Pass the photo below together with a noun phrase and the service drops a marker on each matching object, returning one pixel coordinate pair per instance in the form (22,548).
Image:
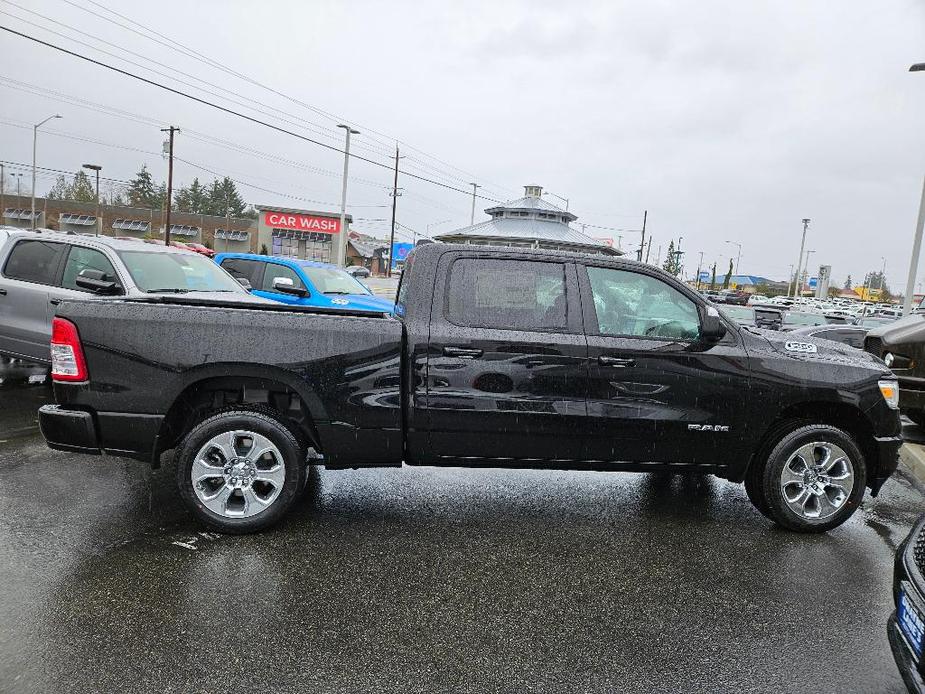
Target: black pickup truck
(493,358)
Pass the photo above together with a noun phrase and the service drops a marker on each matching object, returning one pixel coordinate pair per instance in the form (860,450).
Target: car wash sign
(301,222)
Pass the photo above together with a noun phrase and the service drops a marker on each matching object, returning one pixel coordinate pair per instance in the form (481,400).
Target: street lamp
(97,169)
(739,256)
(18,177)
(35,135)
(917,241)
(800,259)
(341,258)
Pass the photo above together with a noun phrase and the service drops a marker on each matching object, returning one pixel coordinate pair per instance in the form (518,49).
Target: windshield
(177,272)
(330,280)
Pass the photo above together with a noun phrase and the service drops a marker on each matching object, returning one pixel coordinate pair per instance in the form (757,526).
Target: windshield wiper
(337,292)
(167,290)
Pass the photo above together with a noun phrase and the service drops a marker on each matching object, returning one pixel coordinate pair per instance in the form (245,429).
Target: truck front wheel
(239,471)
(813,479)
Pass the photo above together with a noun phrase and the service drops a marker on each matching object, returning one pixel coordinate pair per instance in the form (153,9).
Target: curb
(912,457)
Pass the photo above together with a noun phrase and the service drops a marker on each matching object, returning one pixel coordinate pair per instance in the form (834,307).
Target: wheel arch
(214,387)
(840,415)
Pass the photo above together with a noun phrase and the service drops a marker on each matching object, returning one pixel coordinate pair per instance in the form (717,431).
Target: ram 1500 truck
(492,358)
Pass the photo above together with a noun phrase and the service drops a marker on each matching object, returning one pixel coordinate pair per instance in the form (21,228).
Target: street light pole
(341,258)
(99,219)
(18,177)
(805,271)
(35,137)
(917,241)
(739,256)
(799,288)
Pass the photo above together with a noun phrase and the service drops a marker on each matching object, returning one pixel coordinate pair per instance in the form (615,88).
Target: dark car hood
(801,347)
(910,329)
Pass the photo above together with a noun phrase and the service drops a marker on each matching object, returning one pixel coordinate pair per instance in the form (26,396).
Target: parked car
(906,626)
(873,321)
(40,269)
(733,296)
(201,249)
(901,345)
(358,271)
(302,282)
(713,295)
(492,358)
(795,319)
(757,299)
(851,335)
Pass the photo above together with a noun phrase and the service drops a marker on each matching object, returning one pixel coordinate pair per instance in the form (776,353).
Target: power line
(202,58)
(230,111)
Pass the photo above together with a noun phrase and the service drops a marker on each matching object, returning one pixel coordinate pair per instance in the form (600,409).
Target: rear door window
(80,259)
(34,261)
(507,294)
(250,270)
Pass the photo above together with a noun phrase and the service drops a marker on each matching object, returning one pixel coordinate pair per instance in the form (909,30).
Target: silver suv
(39,269)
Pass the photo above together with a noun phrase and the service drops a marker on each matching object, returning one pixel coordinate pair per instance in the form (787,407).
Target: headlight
(890,392)
(888,359)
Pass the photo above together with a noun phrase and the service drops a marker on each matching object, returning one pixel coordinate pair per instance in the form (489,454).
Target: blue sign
(400,251)
(813,282)
(704,276)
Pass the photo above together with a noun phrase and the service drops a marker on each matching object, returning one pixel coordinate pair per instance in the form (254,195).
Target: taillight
(67,355)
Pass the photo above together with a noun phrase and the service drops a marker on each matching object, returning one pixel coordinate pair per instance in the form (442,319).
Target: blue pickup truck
(302,282)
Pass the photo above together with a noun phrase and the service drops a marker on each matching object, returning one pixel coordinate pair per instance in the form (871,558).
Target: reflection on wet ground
(433,579)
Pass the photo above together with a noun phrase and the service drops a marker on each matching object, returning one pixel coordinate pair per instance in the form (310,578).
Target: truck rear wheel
(239,471)
(812,481)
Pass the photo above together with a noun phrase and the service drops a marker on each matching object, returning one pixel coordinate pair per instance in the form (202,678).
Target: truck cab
(302,282)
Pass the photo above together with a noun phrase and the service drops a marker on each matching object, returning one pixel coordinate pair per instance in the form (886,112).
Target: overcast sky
(725,120)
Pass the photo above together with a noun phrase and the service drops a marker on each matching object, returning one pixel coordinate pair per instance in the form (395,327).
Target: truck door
(656,393)
(505,362)
(25,316)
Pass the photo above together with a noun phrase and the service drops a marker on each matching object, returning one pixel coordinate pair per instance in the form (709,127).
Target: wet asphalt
(430,580)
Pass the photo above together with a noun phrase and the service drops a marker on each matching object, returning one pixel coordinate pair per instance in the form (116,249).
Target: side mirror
(244,282)
(287,286)
(711,326)
(95,281)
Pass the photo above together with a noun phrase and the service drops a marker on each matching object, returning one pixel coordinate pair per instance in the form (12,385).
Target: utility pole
(642,243)
(649,249)
(790,280)
(475,186)
(388,267)
(2,182)
(341,257)
(800,258)
(699,264)
(805,276)
(169,200)
(227,218)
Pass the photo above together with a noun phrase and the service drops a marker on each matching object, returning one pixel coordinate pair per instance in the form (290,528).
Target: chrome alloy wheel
(238,474)
(817,480)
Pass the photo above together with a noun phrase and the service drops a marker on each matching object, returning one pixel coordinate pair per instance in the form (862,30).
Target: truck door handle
(462,352)
(55,302)
(616,362)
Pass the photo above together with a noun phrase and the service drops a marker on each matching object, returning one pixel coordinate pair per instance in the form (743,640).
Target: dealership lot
(431,580)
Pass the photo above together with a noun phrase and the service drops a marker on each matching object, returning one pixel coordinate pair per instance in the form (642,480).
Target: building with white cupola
(528,222)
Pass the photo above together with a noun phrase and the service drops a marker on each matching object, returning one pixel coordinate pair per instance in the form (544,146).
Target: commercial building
(302,234)
(234,235)
(528,222)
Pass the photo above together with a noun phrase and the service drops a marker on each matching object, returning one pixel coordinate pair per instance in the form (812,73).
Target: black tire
(755,491)
(243,419)
(766,483)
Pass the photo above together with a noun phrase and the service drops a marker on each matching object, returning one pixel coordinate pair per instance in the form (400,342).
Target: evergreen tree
(728,276)
(82,190)
(670,259)
(60,190)
(713,279)
(142,192)
(848,283)
(223,195)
